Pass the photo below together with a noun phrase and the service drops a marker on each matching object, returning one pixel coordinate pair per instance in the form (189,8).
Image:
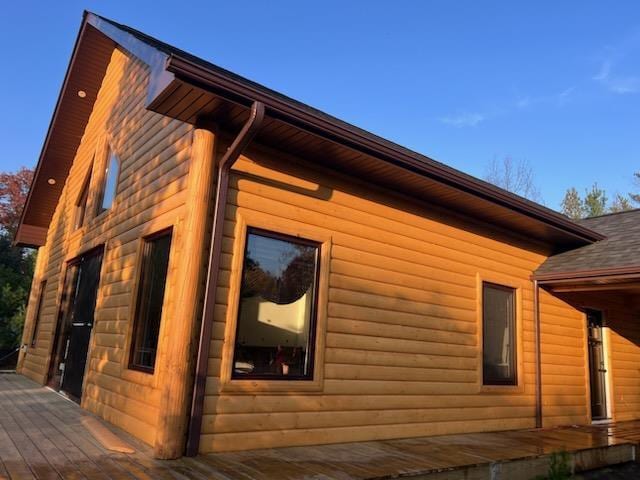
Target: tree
(514,176)
(16,264)
(595,202)
(14,188)
(636,196)
(620,204)
(572,204)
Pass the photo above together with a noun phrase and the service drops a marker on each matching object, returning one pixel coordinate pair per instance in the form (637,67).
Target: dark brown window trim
(513,380)
(83,201)
(36,319)
(313,323)
(145,240)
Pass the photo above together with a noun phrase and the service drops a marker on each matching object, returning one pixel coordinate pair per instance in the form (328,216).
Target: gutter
(610,273)
(243,92)
(242,140)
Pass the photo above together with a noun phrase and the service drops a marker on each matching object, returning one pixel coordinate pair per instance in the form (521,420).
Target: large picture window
(498,335)
(275,331)
(153,277)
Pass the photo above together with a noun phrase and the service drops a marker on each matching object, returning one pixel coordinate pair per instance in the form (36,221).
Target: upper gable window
(81,204)
(110,182)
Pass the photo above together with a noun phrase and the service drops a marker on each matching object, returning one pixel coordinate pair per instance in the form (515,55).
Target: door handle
(80,324)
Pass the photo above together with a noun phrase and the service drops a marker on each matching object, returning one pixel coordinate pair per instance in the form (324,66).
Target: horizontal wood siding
(621,313)
(154,153)
(402,338)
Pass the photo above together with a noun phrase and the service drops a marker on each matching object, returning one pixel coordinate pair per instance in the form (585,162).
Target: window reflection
(276,315)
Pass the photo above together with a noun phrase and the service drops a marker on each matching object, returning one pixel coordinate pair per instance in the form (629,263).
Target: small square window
(498,335)
(276,324)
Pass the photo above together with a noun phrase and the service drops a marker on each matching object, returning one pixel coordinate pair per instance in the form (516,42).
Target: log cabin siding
(154,154)
(402,337)
(621,312)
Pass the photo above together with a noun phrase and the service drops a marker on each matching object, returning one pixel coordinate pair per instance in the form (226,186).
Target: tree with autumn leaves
(16,264)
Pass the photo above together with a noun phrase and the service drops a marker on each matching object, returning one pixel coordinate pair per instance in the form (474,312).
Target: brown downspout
(536,329)
(243,139)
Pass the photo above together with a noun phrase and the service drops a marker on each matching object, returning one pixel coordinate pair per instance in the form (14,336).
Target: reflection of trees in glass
(297,266)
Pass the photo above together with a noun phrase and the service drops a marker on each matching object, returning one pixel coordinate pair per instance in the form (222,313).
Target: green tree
(16,264)
(572,205)
(620,204)
(595,202)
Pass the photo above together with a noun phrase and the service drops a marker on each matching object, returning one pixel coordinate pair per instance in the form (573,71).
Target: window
(36,319)
(81,204)
(153,276)
(110,183)
(498,335)
(275,332)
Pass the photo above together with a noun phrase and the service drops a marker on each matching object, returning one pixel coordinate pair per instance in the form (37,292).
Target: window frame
(38,313)
(313,319)
(104,178)
(82,202)
(138,292)
(515,355)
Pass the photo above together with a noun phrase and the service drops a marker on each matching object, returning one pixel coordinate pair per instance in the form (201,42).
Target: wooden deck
(45,436)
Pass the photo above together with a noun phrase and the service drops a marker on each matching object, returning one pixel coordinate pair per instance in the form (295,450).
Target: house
(221,267)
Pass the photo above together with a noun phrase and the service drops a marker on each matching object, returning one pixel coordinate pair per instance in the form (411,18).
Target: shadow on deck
(43,435)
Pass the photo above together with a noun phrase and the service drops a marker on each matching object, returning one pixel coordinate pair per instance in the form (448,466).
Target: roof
(188,88)
(619,253)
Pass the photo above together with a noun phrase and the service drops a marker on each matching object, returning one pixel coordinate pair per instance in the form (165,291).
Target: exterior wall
(399,327)
(621,314)
(154,154)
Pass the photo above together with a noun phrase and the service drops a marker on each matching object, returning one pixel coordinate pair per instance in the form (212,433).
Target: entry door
(597,370)
(75,323)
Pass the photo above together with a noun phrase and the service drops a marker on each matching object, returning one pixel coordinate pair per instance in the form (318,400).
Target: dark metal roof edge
(337,130)
(587,274)
(56,112)
(164,66)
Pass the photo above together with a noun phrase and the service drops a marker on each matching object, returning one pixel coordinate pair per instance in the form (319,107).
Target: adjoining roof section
(188,88)
(617,255)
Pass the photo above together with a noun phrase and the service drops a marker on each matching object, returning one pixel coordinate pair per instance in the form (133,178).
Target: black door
(597,371)
(75,323)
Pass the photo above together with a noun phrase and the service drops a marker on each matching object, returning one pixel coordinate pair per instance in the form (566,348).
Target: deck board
(42,436)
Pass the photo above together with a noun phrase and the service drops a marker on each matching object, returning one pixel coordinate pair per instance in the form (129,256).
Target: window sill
(252,386)
(502,389)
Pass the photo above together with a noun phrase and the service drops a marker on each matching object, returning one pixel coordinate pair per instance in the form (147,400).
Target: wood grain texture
(402,355)
(151,195)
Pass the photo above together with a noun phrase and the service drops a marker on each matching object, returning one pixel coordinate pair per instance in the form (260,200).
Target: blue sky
(554,83)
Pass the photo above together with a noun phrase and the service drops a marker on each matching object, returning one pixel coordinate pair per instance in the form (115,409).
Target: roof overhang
(186,88)
(618,278)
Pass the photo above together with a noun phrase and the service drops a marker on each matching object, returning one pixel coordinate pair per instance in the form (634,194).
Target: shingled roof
(618,253)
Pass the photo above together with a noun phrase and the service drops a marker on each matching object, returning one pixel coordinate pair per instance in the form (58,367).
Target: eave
(186,88)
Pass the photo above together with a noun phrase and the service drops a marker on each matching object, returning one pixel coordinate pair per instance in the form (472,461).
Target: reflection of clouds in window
(276,306)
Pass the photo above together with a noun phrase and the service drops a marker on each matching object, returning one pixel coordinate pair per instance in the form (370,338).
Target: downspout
(249,130)
(538,353)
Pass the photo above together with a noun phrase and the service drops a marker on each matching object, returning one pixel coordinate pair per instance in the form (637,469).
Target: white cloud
(464,119)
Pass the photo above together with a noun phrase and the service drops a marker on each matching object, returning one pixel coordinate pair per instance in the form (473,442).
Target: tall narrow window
(499,335)
(110,183)
(36,319)
(276,315)
(81,204)
(153,276)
